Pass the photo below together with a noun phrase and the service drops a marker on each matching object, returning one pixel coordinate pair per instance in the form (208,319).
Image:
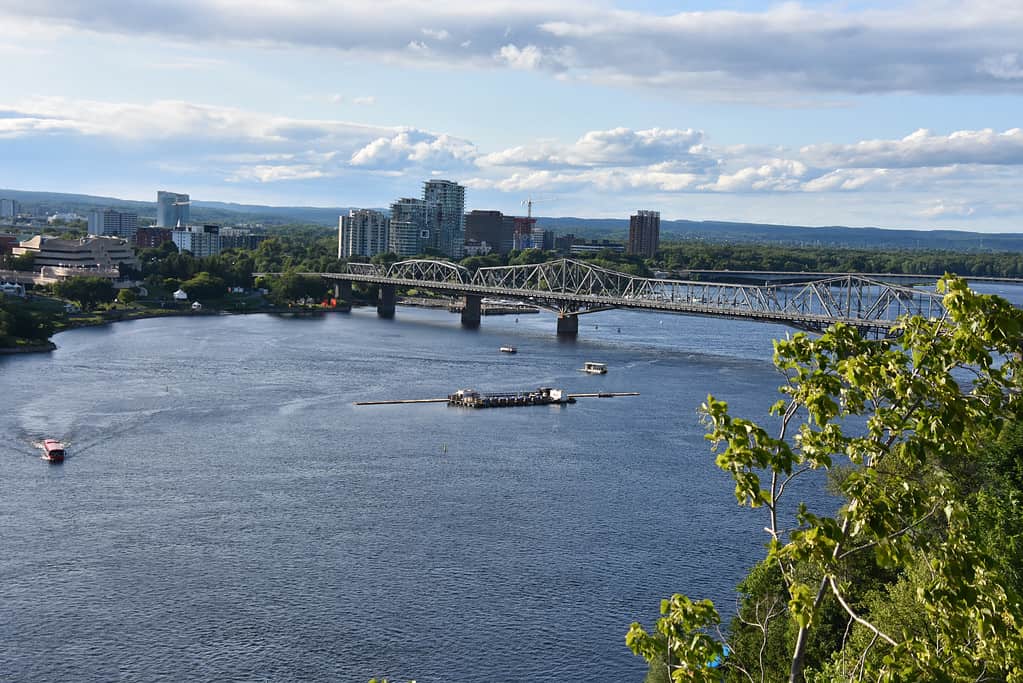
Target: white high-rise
(115,223)
(171,209)
(447,216)
(363,232)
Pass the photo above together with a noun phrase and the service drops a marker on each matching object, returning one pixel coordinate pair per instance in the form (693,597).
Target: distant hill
(41,203)
(793,235)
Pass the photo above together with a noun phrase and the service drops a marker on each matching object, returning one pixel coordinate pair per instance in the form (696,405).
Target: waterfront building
(201,240)
(9,209)
(64,258)
(446,216)
(409,232)
(363,232)
(644,233)
(113,223)
(172,209)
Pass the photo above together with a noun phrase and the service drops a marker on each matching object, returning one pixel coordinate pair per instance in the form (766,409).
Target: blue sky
(903,114)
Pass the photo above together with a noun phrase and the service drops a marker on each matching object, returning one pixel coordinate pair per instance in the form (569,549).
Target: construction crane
(529,201)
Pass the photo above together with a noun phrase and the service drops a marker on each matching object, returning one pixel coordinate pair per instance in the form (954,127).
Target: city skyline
(902,115)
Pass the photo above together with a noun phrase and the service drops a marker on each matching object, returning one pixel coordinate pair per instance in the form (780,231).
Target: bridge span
(572,288)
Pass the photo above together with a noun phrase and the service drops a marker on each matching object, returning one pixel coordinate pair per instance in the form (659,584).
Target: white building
(201,240)
(362,232)
(172,209)
(113,223)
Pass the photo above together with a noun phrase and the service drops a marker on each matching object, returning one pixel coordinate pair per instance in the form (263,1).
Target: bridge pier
(385,301)
(343,291)
(472,310)
(568,325)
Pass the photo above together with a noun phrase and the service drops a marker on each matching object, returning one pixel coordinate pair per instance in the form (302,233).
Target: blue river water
(227,513)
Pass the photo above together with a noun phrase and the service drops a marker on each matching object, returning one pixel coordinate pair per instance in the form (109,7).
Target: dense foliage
(87,292)
(710,256)
(916,576)
(19,322)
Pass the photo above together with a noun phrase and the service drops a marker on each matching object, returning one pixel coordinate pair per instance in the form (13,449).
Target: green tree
(204,286)
(88,292)
(896,422)
(126,296)
(23,262)
(291,287)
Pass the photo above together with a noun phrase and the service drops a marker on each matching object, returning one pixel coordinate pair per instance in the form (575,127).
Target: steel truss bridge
(572,288)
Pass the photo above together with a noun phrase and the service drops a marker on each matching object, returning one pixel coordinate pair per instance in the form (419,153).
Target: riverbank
(79,320)
(28,348)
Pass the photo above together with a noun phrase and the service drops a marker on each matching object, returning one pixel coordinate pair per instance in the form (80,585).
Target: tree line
(710,256)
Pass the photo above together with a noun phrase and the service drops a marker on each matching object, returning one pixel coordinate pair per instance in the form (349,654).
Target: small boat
(594,368)
(509,349)
(53,450)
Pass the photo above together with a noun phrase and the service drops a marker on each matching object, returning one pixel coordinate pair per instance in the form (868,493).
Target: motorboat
(509,349)
(53,450)
(594,368)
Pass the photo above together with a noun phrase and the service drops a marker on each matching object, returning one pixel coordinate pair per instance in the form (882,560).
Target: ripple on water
(228,514)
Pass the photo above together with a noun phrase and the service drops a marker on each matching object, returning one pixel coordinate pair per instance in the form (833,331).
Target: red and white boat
(53,450)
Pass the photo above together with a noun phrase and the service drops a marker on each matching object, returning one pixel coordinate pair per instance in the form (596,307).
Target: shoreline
(73,324)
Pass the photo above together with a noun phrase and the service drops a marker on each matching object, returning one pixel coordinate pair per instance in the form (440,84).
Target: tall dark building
(644,233)
(492,227)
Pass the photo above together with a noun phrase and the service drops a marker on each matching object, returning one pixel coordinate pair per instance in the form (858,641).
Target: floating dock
(470,398)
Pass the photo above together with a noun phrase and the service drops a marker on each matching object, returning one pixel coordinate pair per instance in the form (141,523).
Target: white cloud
(413,147)
(252,147)
(527,58)
(954,46)
(614,147)
(365,100)
(777,175)
(947,209)
(1006,67)
(924,148)
(268,174)
(436,34)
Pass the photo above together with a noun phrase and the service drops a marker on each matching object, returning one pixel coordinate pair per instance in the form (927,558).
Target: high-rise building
(522,232)
(644,233)
(489,227)
(447,216)
(363,232)
(171,209)
(115,223)
(409,232)
(201,240)
(9,209)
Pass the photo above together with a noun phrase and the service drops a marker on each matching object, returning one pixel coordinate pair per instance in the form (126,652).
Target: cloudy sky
(897,114)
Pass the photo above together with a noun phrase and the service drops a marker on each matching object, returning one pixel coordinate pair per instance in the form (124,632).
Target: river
(227,513)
